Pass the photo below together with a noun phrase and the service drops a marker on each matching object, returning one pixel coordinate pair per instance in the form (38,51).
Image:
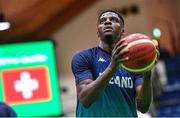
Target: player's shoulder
(85,53)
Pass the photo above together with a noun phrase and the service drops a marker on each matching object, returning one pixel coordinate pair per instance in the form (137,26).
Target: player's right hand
(118,52)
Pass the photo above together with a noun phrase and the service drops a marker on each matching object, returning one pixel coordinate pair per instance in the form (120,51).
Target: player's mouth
(108,29)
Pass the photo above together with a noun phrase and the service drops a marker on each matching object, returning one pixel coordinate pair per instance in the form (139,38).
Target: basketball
(141,52)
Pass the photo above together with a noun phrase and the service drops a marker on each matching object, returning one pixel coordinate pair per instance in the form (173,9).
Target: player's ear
(122,32)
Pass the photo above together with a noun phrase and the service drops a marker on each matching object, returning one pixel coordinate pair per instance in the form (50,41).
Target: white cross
(26,85)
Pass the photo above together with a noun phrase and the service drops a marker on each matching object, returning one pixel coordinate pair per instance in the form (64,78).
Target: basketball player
(104,89)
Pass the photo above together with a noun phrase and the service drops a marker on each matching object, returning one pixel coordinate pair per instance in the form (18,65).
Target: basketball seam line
(137,42)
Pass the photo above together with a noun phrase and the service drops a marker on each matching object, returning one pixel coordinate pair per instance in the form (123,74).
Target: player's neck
(106,47)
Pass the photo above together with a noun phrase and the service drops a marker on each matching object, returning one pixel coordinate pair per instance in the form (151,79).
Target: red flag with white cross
(26,85)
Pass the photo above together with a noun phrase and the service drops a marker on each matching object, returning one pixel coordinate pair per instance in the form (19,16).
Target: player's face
(109,27)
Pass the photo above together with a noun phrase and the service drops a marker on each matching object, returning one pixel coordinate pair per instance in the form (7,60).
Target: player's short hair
(114,11)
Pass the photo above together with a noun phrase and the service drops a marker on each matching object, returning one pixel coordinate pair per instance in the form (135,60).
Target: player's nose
(107,22)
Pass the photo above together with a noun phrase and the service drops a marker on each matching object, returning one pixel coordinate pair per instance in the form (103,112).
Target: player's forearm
(92,91)
(145,98)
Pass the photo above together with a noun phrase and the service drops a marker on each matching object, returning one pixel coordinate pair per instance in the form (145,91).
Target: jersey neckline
(104,50)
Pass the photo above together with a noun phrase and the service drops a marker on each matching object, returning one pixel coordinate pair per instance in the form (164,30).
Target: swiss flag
(26,85)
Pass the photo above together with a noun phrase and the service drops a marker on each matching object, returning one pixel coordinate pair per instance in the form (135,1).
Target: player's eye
(102,20)
(114,19)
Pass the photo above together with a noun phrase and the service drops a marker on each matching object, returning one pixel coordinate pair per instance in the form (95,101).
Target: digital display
(28,78)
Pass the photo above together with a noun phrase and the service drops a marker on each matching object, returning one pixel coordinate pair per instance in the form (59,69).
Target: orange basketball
(141,52)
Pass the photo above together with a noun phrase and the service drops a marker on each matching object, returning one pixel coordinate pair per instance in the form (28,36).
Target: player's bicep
(138,83)
(138,90)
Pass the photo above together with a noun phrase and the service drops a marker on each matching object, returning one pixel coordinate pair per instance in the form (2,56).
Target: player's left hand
(155,42)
